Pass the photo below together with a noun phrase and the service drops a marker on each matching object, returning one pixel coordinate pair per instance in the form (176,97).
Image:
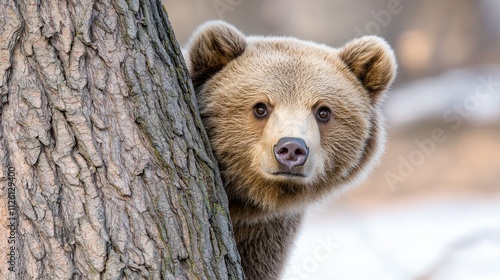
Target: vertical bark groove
(112,171)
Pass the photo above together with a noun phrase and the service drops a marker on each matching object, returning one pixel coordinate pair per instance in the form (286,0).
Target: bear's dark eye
(260,110)
(323,114)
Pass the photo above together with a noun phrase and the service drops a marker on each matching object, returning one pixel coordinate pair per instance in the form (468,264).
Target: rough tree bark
(102,149)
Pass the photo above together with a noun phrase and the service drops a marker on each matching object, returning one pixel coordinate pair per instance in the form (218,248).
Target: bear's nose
(291,151)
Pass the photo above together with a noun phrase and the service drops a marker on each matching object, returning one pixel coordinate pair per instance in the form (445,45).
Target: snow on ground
(443,239)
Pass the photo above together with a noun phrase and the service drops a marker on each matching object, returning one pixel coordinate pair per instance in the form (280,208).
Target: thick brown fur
(232,73)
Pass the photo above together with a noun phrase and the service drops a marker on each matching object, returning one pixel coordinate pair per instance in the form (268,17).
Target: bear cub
(290,122)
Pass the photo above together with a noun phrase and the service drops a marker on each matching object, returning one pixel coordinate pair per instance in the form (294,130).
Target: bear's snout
(291,151)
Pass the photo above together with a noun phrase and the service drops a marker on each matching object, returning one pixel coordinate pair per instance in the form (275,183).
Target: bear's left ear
(212,45)
(372,61)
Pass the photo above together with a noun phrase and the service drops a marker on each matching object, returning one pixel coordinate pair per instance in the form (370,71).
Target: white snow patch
(430,98)
(453,239)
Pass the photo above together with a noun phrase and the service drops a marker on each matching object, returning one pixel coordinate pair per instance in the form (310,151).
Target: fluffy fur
(294,79)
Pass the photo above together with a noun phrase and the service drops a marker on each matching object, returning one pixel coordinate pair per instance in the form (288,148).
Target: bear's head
(289,120)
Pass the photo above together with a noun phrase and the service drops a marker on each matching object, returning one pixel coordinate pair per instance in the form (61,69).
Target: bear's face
(288,120)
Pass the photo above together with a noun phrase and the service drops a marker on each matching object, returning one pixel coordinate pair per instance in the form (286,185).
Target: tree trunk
(106,171)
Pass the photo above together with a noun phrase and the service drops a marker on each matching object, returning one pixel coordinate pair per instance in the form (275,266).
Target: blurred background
(431,210)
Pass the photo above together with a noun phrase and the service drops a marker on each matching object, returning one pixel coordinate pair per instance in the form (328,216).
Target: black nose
(291,151)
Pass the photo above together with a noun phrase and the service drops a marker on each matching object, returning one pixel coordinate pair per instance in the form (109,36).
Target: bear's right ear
(212,45)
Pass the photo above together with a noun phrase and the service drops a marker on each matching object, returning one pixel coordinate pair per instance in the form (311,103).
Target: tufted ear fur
(212,45)
(372,61)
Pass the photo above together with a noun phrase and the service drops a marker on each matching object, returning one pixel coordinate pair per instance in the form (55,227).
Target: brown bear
(290,122)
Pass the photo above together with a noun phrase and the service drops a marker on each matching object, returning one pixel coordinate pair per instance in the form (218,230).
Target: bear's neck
(247,213)
(265,244)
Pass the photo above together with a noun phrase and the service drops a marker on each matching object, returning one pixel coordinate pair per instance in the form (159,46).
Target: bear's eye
(260,110)
(323,114)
